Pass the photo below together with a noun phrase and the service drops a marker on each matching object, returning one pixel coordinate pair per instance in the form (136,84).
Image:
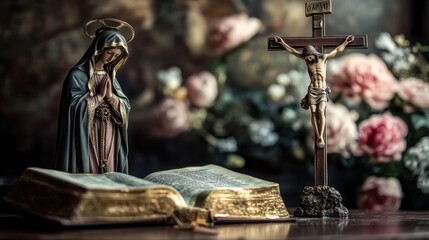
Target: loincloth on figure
(314,96)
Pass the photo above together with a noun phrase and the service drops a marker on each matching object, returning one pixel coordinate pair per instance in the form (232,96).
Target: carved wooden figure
(318,201)
(93,115)
(313,54)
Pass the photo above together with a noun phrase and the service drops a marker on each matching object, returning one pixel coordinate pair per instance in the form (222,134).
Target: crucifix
(313,52)
(319,41)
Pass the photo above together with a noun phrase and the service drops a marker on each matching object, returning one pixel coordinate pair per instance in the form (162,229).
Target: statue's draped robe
(110,146)
(77,117)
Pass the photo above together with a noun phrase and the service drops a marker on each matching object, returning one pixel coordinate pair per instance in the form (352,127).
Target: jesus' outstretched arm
(341,47)
(288,48)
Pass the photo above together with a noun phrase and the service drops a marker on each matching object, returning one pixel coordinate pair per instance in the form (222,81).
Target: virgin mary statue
(93,114)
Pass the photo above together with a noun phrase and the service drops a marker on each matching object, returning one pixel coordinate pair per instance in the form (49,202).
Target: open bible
(204,195)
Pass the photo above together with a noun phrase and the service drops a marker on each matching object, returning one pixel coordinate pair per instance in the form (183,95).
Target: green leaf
(420,120)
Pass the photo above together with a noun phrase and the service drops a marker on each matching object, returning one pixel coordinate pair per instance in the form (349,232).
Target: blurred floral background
(205,90)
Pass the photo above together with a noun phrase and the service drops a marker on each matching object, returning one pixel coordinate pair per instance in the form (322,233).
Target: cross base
(319,202)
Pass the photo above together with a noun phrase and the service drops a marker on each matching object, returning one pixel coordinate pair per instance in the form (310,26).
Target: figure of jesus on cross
(319,200)
(318,92)
(313,52)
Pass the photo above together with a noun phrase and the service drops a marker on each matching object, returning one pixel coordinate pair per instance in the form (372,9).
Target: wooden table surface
(360,225)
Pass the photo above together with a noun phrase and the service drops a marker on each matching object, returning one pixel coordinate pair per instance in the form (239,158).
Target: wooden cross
(318,9)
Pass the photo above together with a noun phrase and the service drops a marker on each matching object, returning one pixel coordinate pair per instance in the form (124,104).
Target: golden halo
(107,23)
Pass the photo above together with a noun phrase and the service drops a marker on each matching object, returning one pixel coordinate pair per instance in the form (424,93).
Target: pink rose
(381,194)
(341,131)
(229,32)
(202,89)
(170,118)
(360,77)
(382,137)
(414,91)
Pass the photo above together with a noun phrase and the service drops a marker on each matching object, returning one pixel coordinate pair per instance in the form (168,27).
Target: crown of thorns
(108,23)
